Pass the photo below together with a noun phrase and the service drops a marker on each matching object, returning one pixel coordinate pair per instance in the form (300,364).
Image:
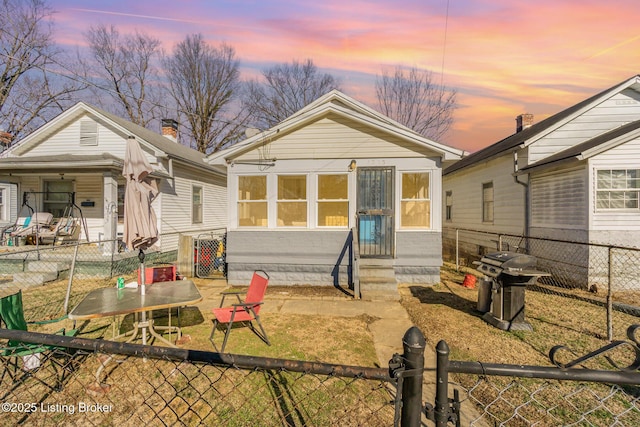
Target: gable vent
(88,132)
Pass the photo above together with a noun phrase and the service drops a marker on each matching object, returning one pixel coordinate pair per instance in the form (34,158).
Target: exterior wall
(418,257)
(174,205)
(619,227)
(466,188)
(620,109)
(559,199)
(309,257)
(334,137)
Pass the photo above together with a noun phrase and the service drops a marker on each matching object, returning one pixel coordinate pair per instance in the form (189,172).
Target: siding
(466,188)
(67,141)
(559,200)
(334,137)
(620,109)
(625,156)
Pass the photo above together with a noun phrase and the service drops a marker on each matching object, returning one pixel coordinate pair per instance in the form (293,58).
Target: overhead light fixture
(352,165)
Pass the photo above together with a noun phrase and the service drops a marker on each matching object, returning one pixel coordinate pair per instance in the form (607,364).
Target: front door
(375,212)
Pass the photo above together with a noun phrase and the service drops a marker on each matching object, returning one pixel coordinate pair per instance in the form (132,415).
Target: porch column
(110,186)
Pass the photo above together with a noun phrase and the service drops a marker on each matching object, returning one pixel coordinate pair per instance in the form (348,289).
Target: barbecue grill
(506,275)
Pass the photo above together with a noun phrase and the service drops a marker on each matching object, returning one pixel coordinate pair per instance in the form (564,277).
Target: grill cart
(506,275)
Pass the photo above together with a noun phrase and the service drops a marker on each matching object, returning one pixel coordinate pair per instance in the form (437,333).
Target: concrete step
(47,266)
(28,279)
(379,295)
(378,281)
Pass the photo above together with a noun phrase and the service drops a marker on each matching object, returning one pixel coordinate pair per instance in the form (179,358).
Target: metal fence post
(442,384)
(457,249)
(413,344)
(610,298)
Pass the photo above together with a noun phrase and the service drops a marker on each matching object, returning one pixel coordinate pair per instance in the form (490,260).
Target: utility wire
(444,44)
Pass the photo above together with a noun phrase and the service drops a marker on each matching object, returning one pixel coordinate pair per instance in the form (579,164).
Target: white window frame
(3,204)
(402,199)
(318,200)
(197,208)
(488,203)
(633,192)
(448,205)
(278,200)
(266,200)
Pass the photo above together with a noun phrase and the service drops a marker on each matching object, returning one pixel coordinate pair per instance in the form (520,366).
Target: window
(415,204)
(88,132)
(448,200)
(333,200)
(292,201)
(2,205)
(121,191)
(57,196)
(196,205)
(252,201)
(617,189)
(487,202)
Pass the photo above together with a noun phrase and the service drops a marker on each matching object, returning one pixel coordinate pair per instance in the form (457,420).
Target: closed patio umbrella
(140,226)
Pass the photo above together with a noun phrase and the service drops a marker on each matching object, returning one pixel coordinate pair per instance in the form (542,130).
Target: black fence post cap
(414,339)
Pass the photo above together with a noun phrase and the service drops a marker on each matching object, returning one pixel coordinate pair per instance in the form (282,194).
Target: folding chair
(12,315)
(246,310)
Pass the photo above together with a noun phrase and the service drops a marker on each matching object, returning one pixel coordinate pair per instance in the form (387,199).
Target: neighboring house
(296,191)
(574,176)
(81,152)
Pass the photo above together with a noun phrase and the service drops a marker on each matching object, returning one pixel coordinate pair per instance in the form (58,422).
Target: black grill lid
(509,260)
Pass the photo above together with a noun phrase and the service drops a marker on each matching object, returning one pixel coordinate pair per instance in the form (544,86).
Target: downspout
(527,220)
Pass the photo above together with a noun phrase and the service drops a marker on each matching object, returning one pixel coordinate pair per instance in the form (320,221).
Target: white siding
(334,137)
(620,109)
(67,141)
(559,199)
(466,188)
(173,208)
(625,156)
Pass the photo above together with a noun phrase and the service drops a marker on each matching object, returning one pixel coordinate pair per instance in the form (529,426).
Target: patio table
(107,302)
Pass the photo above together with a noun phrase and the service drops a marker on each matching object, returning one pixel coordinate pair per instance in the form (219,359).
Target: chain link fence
(600,388)
(598,282)
(90,382)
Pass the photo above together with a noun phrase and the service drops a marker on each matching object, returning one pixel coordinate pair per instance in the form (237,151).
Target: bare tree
(285,89)
(34,86)
(414,100)
(127,72)
(204,82)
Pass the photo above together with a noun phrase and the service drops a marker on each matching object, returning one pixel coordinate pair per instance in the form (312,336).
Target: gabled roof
(162,146)
(537,130)
(589,148)
(338,103)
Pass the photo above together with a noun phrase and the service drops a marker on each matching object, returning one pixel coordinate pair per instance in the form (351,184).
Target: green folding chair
(12,316)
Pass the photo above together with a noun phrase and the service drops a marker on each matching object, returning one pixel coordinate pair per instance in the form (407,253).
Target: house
(334,173)
(75,162)
(574,176)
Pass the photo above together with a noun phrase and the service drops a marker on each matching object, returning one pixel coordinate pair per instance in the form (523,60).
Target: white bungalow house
(80,152)
(574,176)
(299,192)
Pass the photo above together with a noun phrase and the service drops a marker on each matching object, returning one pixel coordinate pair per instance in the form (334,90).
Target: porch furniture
(107,302)
(245,311)
(12,316)
(66,229)
(33,225)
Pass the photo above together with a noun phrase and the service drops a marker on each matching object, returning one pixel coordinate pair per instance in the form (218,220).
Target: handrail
(355,265)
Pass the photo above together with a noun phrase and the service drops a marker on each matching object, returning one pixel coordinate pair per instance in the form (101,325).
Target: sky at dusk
(504,57)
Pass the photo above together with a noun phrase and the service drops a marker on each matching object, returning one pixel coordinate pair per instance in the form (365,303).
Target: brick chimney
(524,121)
(170,129)
(5,140)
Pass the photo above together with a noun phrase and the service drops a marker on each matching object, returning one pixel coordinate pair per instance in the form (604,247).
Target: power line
(444,45)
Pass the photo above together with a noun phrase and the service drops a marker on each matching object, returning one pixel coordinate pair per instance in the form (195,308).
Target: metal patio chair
(246,311)
(12,316)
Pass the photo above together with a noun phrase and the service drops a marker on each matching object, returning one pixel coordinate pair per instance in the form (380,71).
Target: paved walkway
(389,326)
